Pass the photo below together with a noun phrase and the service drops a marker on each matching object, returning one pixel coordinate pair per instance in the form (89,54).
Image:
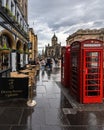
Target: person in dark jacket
(49,63)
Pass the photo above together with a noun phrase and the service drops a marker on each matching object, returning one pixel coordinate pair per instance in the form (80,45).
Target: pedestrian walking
(43,64)
(49,63)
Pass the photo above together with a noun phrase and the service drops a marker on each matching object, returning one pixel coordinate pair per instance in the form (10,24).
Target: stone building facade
(86,34)
(24,7)
(53,51)
(33,49)
(14,37)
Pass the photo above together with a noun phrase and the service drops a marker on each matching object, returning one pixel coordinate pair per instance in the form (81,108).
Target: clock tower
(54,40)
(54,50)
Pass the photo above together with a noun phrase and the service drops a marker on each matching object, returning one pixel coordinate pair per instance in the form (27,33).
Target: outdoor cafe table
(20,75)
(26,71)
(33,65)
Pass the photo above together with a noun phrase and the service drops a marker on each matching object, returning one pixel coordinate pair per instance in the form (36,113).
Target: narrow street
(52,111)
(37,35)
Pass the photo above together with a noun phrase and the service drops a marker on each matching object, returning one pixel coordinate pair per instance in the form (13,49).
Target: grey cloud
(98,24)
(65,15)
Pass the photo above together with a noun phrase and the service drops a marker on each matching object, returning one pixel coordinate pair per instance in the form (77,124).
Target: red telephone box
(86,80)
(65,66)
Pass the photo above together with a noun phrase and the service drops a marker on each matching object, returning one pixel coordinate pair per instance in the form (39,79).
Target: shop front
(12,52)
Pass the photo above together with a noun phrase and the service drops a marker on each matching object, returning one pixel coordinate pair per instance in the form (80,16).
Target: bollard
(30,101)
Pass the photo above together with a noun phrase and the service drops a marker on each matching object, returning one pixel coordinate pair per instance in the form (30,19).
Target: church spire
(54,34)
(54,39)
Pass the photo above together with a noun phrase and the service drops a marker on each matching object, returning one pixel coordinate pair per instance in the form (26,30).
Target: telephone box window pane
(92,76)
(92,82)
(92,64)
(92,88)
(92,59)
(93,93)
(91,54)
(93,70)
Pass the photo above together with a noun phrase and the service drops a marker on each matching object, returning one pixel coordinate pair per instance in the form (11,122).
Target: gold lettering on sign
(11,93)
(11,83)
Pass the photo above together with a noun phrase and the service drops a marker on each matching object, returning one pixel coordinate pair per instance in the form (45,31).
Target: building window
(101,38)
(12,7)
(0,2)
(7,3)
(4,57)
(17,16)
(20,21)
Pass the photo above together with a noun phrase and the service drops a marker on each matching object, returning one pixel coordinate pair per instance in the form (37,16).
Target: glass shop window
(5,41)
(5,60)
(4,57)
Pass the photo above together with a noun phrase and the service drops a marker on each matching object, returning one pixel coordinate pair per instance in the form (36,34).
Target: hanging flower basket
(26,52)
(5,51)
(20,51)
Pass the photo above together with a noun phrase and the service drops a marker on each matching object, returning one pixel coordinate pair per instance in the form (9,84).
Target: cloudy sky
(63,17)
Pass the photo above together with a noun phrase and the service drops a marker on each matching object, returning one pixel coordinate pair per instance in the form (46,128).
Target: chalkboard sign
(13,88)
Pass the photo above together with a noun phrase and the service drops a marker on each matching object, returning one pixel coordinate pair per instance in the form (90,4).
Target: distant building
(33,48)
(54,50)
(86,34)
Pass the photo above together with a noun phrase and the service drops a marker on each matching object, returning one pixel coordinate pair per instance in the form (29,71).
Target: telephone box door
(92,77)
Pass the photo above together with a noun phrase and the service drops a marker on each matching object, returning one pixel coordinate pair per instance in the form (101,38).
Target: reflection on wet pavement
(53,110)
